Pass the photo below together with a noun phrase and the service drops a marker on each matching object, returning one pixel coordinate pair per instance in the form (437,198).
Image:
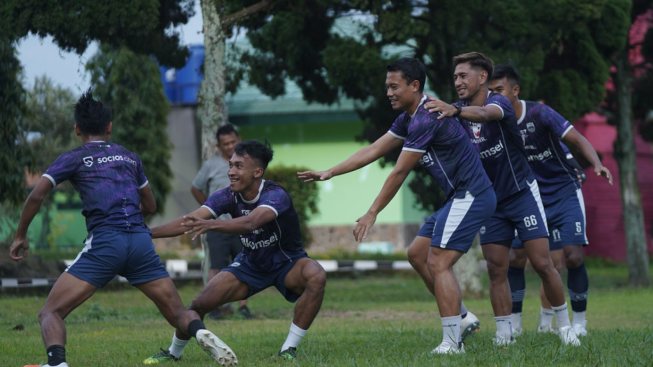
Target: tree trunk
(212,109)
(638,273)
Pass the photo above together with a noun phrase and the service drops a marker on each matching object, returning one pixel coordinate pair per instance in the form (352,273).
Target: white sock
(295,335)
(562,316)
(177,346)
(463,309)
(546,316)
(504,325)
(579,317)
(451,330)
(515,319)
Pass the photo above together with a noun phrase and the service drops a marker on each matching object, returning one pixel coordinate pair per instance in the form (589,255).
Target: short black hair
(91,116)
(411,69)
(506,71)
(476,60)
(256,150)
(225,129)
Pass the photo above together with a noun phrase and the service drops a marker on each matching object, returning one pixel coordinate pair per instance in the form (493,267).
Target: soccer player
(490,121)
(542,128)
(222,248)
(116,198)
(444,150)
(268,225)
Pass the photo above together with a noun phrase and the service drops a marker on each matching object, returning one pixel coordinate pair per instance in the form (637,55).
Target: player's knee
(543,265)
(497,269)
(316,278)
(517,259)
(573,260)
(416,256)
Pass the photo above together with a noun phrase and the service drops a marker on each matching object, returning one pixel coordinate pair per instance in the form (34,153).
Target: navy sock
(56,355)
(517,282)
(578,284)
(194,326)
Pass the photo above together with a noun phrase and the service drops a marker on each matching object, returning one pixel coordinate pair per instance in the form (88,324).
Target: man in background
(220,248)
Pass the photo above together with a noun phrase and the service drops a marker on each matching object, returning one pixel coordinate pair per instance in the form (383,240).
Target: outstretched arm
(579,141)
(405,164)
(31,207)
(490,112)
(241,225)
(175,228)
(362,158)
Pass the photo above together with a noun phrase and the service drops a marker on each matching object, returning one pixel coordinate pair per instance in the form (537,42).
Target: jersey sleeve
(554,121)
(507,111)
(63,168)
(421,131)
(220,202)
(276,199)
(399,128)
(202,178)
(140,174)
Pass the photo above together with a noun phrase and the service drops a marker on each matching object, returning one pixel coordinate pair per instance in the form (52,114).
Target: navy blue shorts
(111,253)
(259,280)
(523,212)
(566,218)
(456,224)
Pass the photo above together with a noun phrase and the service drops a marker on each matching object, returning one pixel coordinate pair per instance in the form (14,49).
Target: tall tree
(630,74)
(131,84)
(143,26)
(14,157)
(219,18)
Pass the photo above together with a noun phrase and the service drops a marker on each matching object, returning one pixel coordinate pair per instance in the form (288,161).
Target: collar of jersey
(419,105)
(257,196)
(523,111)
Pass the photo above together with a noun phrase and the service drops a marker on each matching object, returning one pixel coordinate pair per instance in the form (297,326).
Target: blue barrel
(169,80)
(189,77)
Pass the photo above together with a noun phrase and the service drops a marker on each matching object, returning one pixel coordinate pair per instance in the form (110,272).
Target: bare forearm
(241,225)
(170,229)
(588,152)
(31,207)
(389,190)
(475,114)
(358,160)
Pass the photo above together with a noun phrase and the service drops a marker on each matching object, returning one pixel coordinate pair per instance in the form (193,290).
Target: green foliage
(14,156)
(304,197)
(131,84)
(562,49)
(141,25)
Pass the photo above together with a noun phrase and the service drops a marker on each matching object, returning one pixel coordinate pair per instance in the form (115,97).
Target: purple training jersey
(276,241)
(448,156)
(542,128)
(108,178)
(501,148)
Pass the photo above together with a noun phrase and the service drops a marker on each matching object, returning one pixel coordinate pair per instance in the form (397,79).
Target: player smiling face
(468,80)
(243,171)
(400,92)
(505,81)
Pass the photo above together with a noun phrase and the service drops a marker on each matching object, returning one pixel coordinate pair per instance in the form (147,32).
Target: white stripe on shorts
(581,200)
(459,209)
(87,242)
(535,190)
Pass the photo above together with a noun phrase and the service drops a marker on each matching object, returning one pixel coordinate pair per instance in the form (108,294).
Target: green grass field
(374,320)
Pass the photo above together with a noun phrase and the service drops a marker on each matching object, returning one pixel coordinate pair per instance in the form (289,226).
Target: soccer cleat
(502,340)
(244,311)
(288,354)
(468,326)
(568,336)
(216,348)
(580,329)
(447,348)
(517,331)
(161,357)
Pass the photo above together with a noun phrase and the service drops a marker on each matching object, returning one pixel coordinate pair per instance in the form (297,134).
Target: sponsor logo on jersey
(245,212)
(523,136)
(426,160)
(531,127)
(260,244)
(88,161)
(492,151)
(541,157)
(115,158)
(476,129)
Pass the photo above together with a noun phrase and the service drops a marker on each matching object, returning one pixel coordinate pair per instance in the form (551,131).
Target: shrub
(304,196)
